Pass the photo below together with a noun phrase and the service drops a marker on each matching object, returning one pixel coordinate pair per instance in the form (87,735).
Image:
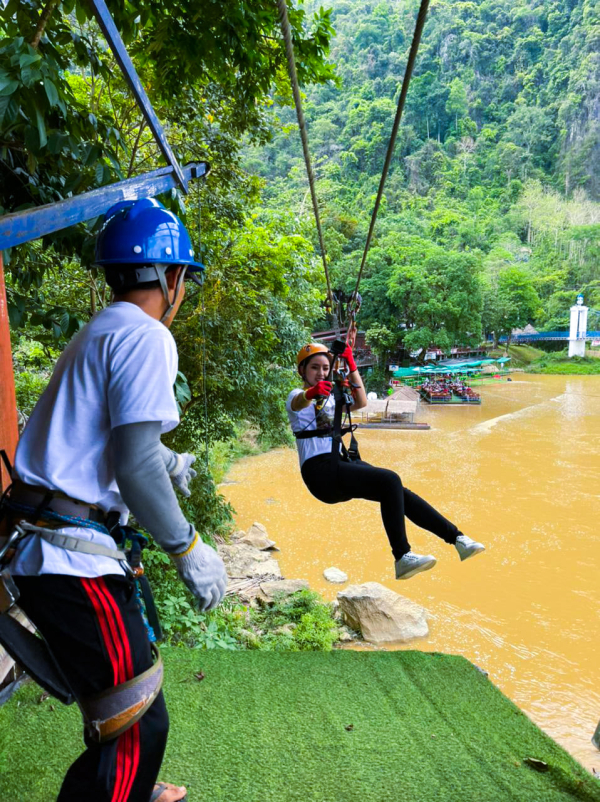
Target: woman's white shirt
(307,420)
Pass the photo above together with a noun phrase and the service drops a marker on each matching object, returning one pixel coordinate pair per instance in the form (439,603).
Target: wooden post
(8,403)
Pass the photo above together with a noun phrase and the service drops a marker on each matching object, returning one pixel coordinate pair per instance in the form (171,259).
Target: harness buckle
(9,592)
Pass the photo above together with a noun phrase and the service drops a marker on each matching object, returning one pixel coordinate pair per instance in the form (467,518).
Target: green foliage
(67,123)
(29,387)
(206,507)
(438,295)
(33,366)
(510,300)
(381,341)
(494,160)
(300,622)
(559,363)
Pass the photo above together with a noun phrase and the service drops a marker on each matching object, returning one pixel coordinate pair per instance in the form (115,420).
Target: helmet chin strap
(161,270)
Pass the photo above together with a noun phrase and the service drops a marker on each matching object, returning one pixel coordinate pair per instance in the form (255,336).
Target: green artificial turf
(329,727)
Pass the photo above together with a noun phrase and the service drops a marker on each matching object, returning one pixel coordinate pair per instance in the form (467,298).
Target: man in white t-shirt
(91,452)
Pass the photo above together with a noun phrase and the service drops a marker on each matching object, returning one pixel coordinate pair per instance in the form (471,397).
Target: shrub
(300,622)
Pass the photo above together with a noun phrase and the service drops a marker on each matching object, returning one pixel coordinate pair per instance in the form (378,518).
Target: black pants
(361,480)
(97,635)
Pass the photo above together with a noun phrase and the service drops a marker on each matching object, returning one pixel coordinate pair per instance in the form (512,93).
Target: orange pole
(8,402)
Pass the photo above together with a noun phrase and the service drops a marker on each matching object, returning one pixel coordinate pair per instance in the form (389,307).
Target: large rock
(382,615)
(257,536)
(269,591)
(243,560)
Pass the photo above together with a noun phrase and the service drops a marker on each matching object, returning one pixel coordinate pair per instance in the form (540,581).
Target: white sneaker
(468,548)
(410,564)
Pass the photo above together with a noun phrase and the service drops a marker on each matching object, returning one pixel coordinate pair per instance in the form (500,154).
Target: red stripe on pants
(119,651)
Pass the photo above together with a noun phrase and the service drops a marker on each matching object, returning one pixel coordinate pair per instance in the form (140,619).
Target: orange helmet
(310,350)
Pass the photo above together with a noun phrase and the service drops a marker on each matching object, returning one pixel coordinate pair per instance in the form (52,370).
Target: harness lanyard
(337,444)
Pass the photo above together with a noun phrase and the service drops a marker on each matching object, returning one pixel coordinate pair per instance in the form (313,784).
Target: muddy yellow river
(520,473)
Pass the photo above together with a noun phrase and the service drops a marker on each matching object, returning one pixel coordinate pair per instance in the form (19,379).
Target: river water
(520,473)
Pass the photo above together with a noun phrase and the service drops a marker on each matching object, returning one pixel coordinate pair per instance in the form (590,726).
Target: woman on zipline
(357,479)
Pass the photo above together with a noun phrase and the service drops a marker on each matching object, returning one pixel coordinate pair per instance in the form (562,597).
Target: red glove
(322,388)
(349,357)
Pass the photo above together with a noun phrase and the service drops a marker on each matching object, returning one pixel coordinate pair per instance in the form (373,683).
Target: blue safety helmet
(137,244)
(143,232)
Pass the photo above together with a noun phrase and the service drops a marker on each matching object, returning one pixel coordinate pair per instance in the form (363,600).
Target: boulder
(381,615)
(269,591)
(243,560)
(336,611)
(335,575)
(257,536)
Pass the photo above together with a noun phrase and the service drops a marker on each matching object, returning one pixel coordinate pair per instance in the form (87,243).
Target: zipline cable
(414,48)
(289,51)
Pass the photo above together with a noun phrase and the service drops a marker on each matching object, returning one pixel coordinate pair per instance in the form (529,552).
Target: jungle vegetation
(490,217)
(491,214)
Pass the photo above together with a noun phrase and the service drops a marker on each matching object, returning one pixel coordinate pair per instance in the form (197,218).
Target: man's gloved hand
(322,388)
(203,571)
(349,357)
(182,473)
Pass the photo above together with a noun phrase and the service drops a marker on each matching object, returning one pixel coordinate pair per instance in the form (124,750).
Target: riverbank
(560,365)
(557,363)
(358,727)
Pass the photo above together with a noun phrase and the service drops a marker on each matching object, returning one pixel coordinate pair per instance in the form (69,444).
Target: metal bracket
(40,221)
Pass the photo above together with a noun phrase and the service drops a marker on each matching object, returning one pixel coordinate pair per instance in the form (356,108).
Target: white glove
(182,473)
(203,571)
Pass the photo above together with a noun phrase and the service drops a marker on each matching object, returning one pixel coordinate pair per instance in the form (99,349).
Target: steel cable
(414,48)
(289,51)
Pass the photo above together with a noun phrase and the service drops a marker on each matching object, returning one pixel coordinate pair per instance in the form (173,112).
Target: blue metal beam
(39,221)
(109,29)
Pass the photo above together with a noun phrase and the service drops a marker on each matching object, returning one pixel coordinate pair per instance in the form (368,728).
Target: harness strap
(71,542)
(325,432)
(110,713)
(337,443)
(43,499)
(32,654)
(106,715)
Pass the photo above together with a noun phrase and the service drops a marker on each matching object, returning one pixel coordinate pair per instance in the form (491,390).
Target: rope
(203,330)
(289,51)
(68,520)
(388,158)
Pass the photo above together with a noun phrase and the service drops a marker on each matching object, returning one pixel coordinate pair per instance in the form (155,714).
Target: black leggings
(361,480)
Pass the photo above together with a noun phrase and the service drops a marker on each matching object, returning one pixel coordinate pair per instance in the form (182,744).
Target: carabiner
(15,535)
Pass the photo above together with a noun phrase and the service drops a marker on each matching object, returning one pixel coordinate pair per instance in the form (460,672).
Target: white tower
(578,328)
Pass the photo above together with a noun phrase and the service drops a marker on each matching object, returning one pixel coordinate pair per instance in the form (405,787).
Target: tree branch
(43,21)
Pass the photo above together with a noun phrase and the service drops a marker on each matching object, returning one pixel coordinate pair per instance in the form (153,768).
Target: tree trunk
(42,22)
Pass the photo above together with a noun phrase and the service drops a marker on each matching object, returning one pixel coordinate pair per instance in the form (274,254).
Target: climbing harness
(342,418)
(26,510)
